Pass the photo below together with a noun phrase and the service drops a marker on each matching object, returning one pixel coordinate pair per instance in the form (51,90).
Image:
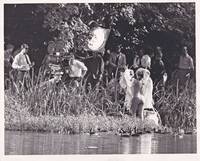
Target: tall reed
(177,106)
(60,100)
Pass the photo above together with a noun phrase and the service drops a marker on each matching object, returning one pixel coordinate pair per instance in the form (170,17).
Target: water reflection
(142,144)
(145,144)
(126,147)
(49,143)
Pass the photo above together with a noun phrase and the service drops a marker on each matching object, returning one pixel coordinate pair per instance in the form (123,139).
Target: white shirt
(77,68)
(21,61)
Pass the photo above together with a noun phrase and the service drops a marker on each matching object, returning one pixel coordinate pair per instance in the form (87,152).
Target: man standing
(8,59)
(95,71)
(185,67)
(8,54)
(137,60)
(158,71)
(118,62)
(141,60)
(107,69)
(22,64)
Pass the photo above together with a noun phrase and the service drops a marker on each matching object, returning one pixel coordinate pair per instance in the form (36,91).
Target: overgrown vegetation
(70,109)
(177,108)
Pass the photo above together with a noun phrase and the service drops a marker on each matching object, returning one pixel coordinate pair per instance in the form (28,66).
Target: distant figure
(66,70)
(22,64)
(118,62)
(8,59)
(137,60)
(77,69)
(107,76)
(145,62)
(158,72)
(52,70)
(126,83)
(95,65)
(185,67)
(110,63)
(141,60)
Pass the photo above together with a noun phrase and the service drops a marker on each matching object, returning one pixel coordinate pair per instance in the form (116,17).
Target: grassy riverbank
(84,123)
(70,110)
(18,117)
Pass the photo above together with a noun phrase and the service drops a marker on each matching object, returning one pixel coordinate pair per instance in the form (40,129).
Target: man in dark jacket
(117,62)
(95,66)
(158,72)
(8,59)
(137,60)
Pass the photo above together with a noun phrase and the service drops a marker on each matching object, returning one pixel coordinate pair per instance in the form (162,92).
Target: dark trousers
(23,79)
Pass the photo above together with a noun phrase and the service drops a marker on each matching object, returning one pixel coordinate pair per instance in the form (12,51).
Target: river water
(27,143)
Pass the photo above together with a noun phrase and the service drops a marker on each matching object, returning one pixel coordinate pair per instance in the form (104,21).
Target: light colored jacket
(77,69)
(21,61)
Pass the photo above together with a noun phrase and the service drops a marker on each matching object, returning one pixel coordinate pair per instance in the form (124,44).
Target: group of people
(97,68)
(138,82)
(139,91)
(117,63)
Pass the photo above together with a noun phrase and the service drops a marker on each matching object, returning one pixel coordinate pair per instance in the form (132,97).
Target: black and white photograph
(99,78)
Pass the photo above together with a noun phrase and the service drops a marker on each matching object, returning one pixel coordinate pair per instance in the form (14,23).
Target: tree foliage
(132,25)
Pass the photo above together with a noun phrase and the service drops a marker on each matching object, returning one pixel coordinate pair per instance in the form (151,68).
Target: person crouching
(77,70)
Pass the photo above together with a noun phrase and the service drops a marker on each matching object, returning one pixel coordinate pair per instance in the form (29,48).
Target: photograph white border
(123,157)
